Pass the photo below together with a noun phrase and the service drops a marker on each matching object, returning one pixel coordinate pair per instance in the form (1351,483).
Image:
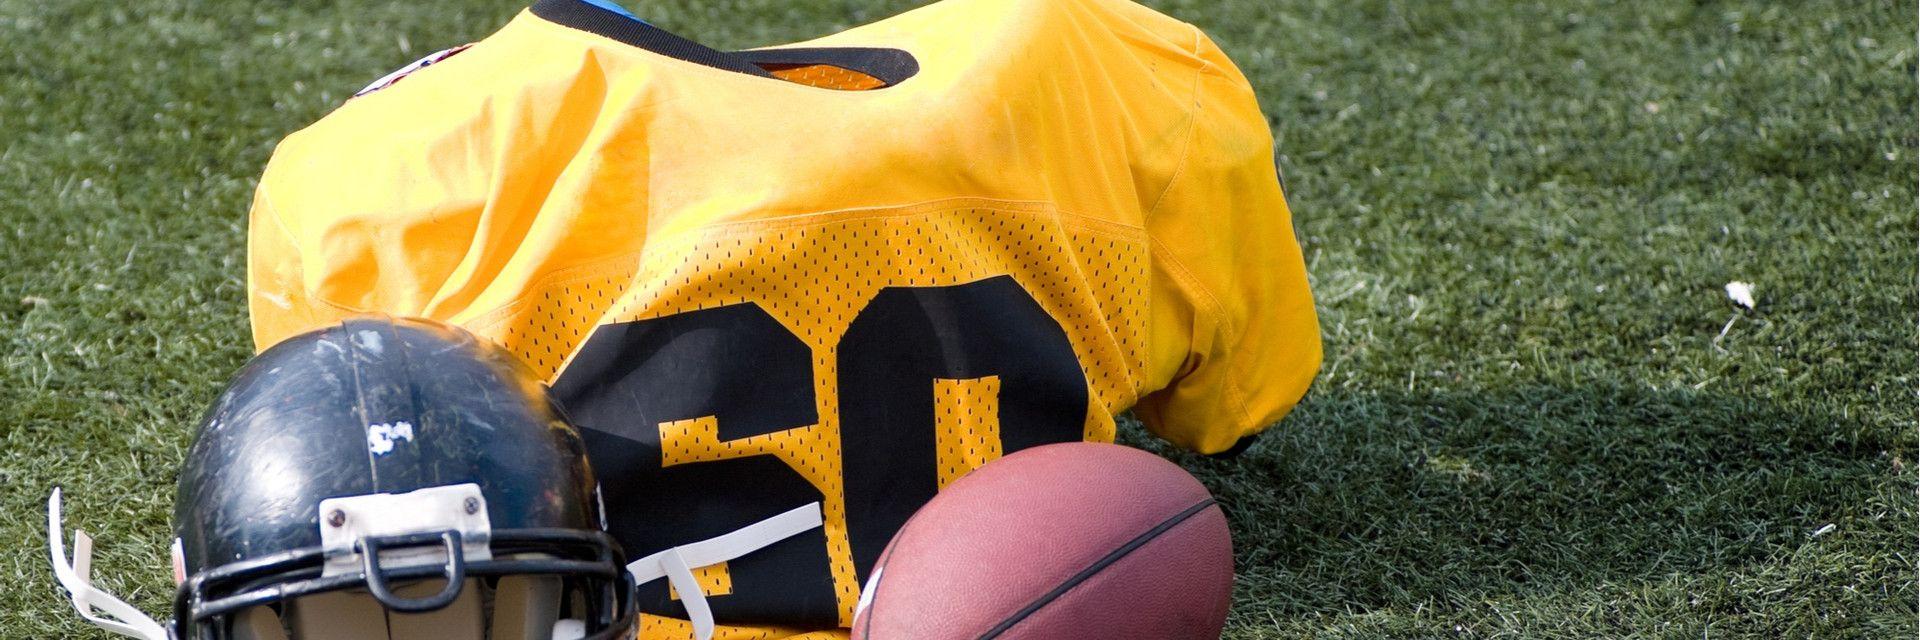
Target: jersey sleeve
(1232,330)
(277,299)
(337,232)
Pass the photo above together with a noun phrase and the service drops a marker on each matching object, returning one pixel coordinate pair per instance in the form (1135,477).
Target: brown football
(1064,541)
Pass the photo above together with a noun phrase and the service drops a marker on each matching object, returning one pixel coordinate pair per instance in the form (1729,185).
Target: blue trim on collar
(615,7)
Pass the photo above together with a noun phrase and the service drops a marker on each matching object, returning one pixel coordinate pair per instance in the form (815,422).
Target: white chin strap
(677,564)
(98,607)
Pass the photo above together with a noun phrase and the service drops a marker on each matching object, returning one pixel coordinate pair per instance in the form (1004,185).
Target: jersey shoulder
(435,130)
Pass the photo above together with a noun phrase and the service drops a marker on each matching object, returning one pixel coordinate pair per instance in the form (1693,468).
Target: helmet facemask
(424,564)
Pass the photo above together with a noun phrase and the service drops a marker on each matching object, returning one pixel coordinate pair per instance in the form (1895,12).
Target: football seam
(1094,569)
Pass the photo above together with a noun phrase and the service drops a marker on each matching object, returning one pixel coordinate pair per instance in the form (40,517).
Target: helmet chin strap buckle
(376,533)
(379,583)
(98,607)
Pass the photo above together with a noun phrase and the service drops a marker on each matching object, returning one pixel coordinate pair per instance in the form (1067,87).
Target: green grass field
(1518,217)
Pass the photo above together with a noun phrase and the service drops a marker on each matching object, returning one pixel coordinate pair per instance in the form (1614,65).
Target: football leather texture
(1058,542)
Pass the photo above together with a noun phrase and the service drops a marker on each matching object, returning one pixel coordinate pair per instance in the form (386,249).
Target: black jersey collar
(592,19)
(890,66)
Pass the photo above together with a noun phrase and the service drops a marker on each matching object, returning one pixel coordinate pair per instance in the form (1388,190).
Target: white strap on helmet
(676,564)
(98,607)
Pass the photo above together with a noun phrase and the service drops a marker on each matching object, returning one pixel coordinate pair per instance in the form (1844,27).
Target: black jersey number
(750,375)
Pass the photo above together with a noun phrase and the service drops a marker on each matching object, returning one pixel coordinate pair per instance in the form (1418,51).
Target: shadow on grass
(1440,502)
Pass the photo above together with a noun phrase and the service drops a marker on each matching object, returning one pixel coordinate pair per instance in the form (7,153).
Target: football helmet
(381,478)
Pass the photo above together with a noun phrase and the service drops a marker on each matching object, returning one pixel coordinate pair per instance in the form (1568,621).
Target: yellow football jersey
(841,272)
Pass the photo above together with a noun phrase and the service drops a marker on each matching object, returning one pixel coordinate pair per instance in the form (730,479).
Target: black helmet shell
(383,406)
(374,406)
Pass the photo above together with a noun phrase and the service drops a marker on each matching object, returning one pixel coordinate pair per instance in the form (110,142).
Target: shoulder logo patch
(428,61)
